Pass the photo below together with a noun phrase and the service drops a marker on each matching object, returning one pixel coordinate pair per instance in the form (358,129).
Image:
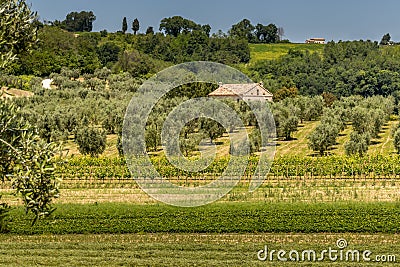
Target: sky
(301,19)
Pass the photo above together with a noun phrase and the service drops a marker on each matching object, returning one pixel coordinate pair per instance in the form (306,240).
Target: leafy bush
(91,141)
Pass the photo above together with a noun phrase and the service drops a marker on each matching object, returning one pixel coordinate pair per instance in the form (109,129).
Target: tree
(385,39)
(189,143)
(108,53)
(271,34)
(261,33)
(212,128)
(206,29)
(79,22)
(28,161)
(267,34)
(150,30)
(285,93)
(329,98)
(360,121)
(255,140)
(323,137)
(176,25)
(124,25)
(91,141)
(243,30)
(358,144)
(137,64)
(18,33)
(135,26)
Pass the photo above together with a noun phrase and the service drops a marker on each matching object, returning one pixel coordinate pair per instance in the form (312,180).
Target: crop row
(284,167)
(215,218)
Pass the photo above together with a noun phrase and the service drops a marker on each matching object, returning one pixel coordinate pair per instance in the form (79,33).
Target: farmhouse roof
(240,90)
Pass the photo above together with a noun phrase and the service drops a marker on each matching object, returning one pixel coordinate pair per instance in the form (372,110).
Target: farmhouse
(248,91)
(315,41)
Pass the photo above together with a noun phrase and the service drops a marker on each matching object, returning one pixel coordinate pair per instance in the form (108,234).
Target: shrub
(91,141)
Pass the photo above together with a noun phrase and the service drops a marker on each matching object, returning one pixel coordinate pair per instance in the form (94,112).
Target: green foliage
(91,141)
(79,22)
(50,57)
(137,64)
(4,217)
(255,34)
(323,137)
(17,31)
(212,129)
(342,69)
(150,30)
(243,30)
(28,161)
(177,25)
(267,34)
(255,141)
(190,142)
(285,93)
(136,26)
(124,25)
(358,144)
(122,218)
(286,115)
(288,167)
(108,53)
(385,39)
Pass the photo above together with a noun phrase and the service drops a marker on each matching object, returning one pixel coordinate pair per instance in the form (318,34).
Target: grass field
(220,217)
(216,235)
(180,249)
(274,51)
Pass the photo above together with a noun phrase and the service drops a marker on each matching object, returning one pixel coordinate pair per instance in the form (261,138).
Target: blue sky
(301,19)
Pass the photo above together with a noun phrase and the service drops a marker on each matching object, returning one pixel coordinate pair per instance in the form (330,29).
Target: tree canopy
(17,30)
(79,21)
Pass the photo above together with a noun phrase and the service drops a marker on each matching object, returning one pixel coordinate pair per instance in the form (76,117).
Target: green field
(220,234)
(274,51)
(179,249)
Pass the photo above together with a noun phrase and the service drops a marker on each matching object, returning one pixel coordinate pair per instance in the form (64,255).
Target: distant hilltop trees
(77,22)
(176,25)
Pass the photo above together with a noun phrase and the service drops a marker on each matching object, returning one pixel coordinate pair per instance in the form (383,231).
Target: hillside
(273,51)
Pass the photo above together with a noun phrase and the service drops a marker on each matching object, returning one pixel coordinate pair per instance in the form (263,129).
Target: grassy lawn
(180,249)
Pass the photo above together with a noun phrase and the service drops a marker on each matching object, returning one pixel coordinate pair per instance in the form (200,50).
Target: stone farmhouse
(249,91)
(315,41)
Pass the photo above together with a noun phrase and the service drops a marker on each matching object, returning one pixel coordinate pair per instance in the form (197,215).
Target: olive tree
(323,137)
(358,143)
(17,30)
(27,161)
(91,141)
